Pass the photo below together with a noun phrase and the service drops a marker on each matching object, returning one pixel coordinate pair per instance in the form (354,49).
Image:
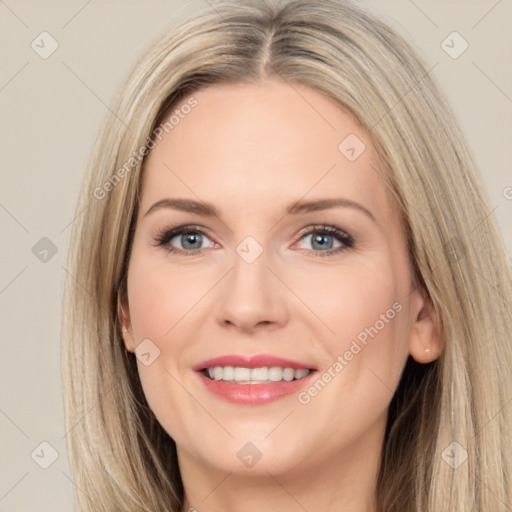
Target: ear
(425,344)
(124,320)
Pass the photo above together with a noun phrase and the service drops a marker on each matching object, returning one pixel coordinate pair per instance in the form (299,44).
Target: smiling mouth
(262,375)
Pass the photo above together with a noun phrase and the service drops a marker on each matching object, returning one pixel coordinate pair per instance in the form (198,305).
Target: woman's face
(293,260)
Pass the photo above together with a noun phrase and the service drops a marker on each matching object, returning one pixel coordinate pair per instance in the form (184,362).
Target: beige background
(51,112)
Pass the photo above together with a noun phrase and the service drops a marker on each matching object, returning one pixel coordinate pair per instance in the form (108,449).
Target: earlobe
(124,320)
(425,344)
(128,339)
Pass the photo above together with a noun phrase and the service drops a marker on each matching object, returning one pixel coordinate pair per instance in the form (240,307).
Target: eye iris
(191,238)
(321,239)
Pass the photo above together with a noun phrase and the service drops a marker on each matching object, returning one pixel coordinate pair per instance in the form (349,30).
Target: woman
(245,372)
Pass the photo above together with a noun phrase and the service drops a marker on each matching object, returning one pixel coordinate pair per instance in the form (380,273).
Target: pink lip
(254,361)
(252,394)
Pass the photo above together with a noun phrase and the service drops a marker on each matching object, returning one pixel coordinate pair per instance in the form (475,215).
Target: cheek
(368,312)
(161,296)
(364,333)
(358,303)
(163,304)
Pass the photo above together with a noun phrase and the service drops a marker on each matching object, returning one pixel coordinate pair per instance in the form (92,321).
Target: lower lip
(254,394)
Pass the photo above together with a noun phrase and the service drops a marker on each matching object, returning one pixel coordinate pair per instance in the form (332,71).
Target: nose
(252,298)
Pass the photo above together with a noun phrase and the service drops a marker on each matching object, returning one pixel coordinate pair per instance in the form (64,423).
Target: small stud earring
(427,349)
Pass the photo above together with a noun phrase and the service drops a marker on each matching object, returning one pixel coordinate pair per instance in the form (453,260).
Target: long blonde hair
(120,457)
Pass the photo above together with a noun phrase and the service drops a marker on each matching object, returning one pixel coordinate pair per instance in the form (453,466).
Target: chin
(256,457)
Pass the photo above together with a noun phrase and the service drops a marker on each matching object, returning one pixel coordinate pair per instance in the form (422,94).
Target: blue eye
(322,239)
(191,238)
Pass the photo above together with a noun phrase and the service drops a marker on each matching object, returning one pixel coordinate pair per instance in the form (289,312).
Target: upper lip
(251,361)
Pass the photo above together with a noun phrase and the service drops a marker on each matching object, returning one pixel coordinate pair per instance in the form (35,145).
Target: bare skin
(251,151)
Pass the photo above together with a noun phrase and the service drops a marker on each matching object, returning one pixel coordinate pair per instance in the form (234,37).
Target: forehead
(261,145)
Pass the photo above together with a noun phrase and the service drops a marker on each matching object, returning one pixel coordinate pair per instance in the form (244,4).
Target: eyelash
(164,236)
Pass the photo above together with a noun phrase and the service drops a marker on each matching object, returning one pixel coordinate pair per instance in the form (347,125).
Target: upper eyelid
(303,231)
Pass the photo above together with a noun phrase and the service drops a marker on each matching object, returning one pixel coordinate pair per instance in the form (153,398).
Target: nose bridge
(251,293)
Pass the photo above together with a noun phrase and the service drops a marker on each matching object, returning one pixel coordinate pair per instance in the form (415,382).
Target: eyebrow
(297,208)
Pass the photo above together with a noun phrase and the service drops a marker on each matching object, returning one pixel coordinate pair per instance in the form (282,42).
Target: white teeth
(288,374)
(259,374)
(275,374)
(256,375)
(301,373)
(241,374)
(229,373)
